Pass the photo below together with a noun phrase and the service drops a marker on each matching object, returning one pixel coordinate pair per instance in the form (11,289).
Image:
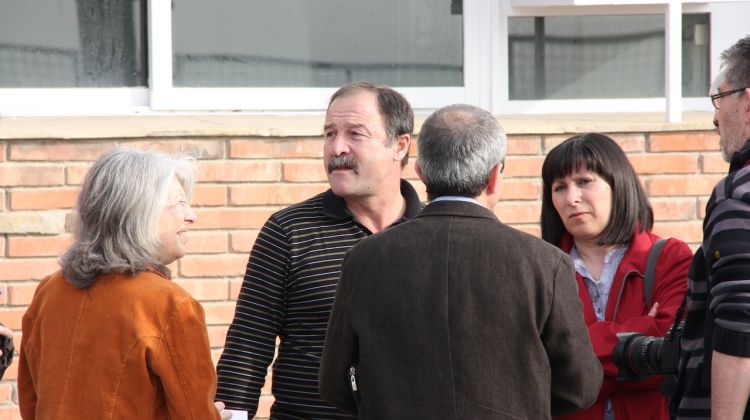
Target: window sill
(310,125)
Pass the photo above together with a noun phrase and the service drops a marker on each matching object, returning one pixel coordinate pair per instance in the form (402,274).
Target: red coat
(627,311)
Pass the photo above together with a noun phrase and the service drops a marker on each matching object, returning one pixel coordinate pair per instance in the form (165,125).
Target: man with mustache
(295,263)
(454,315)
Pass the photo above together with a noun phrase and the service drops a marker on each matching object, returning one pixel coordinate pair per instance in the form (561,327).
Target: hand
(652,312)
(225,415)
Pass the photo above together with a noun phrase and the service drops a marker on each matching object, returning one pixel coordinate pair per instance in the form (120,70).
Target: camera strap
(648,279)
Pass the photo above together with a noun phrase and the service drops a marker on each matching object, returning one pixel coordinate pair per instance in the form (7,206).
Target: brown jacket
(125,348)
(454,315)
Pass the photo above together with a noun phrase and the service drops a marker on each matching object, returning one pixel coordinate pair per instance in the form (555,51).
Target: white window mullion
(673,65)
(160,52)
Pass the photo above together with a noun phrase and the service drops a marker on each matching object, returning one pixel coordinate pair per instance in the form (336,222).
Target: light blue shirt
(599,291)
(456,198)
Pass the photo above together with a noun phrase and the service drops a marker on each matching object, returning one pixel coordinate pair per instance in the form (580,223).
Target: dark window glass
(72,43)
(590,57)
(323,43)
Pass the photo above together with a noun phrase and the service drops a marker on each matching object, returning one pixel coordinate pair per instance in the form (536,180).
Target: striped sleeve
(727,252)
(258,318)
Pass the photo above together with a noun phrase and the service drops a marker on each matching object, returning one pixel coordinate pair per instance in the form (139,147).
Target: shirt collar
(457,198)
(335,206)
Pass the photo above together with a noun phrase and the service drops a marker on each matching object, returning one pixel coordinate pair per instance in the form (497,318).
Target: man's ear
(402,147)
(418,170)
(746,94)
(493,182)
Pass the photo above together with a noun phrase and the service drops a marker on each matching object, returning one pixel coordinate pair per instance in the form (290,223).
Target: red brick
(210,195)
(713,163)
(26,175)
(690,232)
(684,141)
(274,194)
(204,148)
(6,394)
(702,202)
(276,148)
(234,288)
(682,185)
(242,241)
(629,142)
(219,313)
(264,407)
(511,212)
(304,171)
(58,150)
(38,246)
(10,412)
(43,198)
(523,166)
(11,318)
(232,218)
(217,335)
(3,293)
(2,246)
(74,173)
(530,229)
(21,293)
(664,163)
(520,190)
(674,208)
(2,203)
(205,289)
(213,265)
(2,151)
(239,171)
(207,242)
(27,268)
(524,145)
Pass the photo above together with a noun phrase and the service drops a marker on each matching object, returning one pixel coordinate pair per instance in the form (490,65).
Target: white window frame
(485,70)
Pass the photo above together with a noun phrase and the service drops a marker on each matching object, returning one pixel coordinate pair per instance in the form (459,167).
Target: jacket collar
(741,158)
(335,206)
(635,257)
(457,208)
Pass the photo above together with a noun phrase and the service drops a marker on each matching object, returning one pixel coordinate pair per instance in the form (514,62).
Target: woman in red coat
(595,209)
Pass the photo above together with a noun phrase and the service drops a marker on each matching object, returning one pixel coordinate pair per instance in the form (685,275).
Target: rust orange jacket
(128,347)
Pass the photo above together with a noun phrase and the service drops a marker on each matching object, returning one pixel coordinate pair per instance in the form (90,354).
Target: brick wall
(242,180)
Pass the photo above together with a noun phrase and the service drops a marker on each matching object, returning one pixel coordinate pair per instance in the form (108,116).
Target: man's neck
(378,212)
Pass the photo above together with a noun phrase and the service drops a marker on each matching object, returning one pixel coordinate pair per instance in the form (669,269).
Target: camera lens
(637,356)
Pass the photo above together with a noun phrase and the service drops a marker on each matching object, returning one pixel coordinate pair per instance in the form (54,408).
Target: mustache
(346,162)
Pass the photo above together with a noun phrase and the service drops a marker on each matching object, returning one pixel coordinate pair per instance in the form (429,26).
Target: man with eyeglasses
(714,369)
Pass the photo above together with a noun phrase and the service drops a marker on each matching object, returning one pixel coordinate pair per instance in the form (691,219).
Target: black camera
(638,356)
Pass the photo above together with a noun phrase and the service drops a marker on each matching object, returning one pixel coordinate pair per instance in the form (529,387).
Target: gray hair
(736,64)
(458,146)
(117,215)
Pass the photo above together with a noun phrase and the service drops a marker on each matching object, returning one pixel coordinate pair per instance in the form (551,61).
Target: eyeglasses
(715,98)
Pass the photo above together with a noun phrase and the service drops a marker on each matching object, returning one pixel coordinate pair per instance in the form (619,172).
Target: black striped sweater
(288,291)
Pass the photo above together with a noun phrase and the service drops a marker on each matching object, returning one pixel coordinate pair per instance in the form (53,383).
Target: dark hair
(736,64)
(394,108)
(598,153)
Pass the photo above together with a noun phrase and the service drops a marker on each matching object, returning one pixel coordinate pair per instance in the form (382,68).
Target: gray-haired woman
(109,335)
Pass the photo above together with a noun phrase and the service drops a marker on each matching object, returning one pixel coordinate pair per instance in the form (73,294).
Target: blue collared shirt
(599,291)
